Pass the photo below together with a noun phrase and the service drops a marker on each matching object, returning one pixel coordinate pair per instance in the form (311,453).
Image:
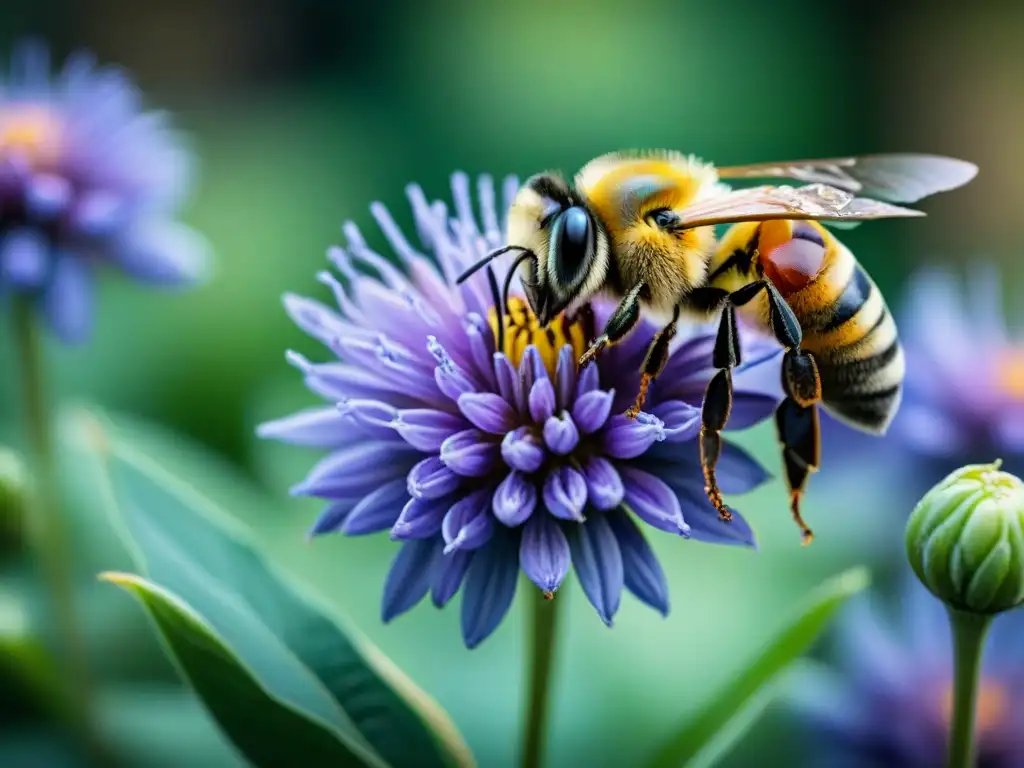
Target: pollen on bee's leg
(634,410)
(594,350)
(806,534)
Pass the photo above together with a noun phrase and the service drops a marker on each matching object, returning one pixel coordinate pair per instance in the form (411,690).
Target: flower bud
(965,539)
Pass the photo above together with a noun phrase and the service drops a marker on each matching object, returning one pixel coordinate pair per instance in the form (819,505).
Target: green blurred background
(302,112)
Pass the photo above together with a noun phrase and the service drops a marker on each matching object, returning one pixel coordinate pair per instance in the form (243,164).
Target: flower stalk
(970,631)
(44,526)
(542,635)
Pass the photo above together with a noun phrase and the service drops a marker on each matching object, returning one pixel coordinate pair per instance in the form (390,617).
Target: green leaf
(301,654)
(263,727)
(723,721)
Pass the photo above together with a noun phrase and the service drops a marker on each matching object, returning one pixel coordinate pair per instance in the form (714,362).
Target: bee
(641,227)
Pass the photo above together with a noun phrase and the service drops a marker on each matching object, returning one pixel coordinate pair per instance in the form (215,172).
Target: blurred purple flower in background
(965,371)
(485,463)
(86,178)
(887,701)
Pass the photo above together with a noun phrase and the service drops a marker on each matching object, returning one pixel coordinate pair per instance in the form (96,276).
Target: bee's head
(568,244)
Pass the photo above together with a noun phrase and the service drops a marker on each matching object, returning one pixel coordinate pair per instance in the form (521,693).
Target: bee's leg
(718,396)
(717,404)
(623,320)
(797,422)
(654,363)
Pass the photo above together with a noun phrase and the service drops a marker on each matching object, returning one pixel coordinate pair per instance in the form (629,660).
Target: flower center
(1010,373)
(31,131)
(992,707)
(522,329)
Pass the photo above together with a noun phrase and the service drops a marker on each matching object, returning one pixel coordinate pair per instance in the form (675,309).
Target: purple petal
(47,196)
(97,213)
(598,562)
(490,587)
(542,400)
(409,577)
(706,525)
(565,493)
(378,510)
(312,317)
(627,438)
(332,517)
(514,499)
(371,417)
(531,369)
(523,450)
(469,453)
(481,347)
(592,409)
(354,471)
(68,299)
(560,434)
(421,518)
(737,470)
(653,501)
(565,377)
(589,380)
(468,524)
(750,408)
(682,421)
(604,486)
(24,258)
(488,412)
(431,479)
(642,571)
(314,427)
(508,382)
(450,378)
(165,253)
(544,552)
(449,574)
(426,429)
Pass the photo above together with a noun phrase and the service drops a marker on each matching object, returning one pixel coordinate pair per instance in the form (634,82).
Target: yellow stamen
(32,131)
(1010,373)
(522,329)
(993,706)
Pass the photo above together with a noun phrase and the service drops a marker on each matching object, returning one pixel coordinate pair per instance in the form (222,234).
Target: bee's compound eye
(664,218)
(794,264)
(573,240)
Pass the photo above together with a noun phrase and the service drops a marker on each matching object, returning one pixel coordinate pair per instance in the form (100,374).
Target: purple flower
(483,462)
(887,700)
(965,370)
(86,178)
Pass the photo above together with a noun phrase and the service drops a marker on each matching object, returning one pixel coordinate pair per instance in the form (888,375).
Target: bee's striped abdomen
(859,357)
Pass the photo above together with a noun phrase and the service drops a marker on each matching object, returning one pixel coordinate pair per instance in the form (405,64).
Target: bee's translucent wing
(898,178)
(813,201)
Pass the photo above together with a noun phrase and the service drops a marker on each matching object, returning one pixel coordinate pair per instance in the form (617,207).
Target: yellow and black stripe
(857,349)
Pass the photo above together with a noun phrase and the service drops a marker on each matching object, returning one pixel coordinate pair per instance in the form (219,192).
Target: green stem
(45,527)
(543,625)
(969,633)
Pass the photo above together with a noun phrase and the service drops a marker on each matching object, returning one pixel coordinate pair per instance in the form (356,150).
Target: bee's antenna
(499,307)
(485,261)
(508,283)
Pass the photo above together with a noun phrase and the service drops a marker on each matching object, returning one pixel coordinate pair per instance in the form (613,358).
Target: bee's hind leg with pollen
(796,418)
(654,363)
(623,320)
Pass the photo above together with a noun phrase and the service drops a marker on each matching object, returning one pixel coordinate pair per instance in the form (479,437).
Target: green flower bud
(965,540)
(13,488)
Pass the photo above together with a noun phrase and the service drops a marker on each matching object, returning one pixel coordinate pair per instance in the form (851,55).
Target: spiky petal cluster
(483,462)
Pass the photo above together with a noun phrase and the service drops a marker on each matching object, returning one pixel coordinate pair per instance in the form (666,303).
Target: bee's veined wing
(898,178)
(813,201)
